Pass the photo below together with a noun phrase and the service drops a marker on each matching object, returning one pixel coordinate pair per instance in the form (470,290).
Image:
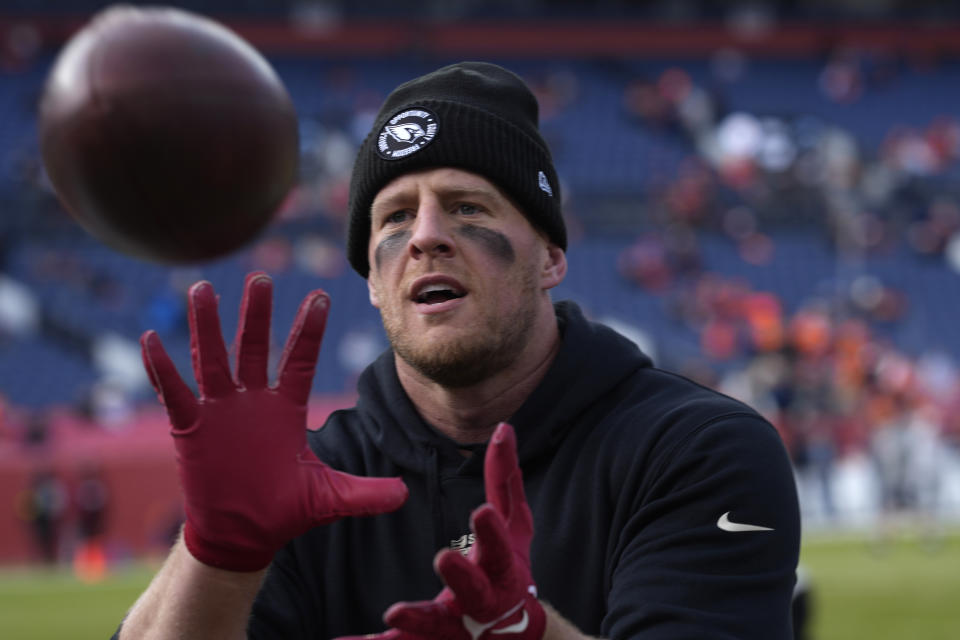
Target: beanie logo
(406,133)
(544,183)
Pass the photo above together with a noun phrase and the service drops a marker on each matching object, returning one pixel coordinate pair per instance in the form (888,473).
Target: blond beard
(492,347)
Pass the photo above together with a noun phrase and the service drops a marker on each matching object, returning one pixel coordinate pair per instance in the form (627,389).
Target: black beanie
(472,115)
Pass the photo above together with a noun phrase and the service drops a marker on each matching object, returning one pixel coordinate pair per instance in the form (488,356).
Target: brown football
(166,135)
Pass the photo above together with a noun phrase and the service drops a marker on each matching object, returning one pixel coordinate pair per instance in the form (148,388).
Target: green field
(901,589)
(905,588)
(43,604)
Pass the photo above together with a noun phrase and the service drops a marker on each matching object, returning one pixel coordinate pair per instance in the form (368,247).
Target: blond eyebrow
(389,204)
(471,192)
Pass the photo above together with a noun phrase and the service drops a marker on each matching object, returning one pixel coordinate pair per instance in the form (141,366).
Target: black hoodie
(632,474)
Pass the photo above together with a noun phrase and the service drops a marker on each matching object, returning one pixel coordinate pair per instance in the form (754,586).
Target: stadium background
(765,196)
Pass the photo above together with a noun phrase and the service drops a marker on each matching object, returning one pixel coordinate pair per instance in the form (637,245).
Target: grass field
(43,604)
(905,588)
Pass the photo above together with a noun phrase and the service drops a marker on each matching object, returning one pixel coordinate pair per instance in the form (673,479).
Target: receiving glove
(490,593)
(249,480)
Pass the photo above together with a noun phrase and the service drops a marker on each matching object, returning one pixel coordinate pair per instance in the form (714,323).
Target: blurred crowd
(821,369)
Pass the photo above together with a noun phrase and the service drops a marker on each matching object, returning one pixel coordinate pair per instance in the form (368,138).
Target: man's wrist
(225,558)
(188,598)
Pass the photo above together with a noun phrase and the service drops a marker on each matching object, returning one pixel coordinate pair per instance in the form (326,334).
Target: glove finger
(299,359)
(494,552)
(424,619)
(504,483)
(253,333)
(335,494)
(210,363)
(473,591)
(176,396)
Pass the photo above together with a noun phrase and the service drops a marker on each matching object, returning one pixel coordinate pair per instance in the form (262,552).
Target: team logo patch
(406,133)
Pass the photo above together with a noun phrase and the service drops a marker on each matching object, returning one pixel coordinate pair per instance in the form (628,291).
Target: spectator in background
(43,506)
(91,505)
(906,451)
(36,431)
(19,310)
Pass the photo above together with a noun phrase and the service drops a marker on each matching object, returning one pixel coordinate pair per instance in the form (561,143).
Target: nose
(432,235)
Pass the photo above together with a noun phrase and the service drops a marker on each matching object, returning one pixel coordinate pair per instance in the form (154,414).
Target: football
(166,135)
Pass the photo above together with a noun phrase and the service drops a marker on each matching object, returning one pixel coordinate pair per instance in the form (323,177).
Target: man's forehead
(445,179)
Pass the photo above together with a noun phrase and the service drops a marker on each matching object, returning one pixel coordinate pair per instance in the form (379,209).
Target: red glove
(490,593)
(250,481)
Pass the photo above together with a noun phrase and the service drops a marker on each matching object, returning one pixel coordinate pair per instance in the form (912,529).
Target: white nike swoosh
(520,627)
(725,524)
(476,629)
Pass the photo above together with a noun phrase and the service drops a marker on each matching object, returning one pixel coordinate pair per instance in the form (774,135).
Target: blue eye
(468,209)
(396,217)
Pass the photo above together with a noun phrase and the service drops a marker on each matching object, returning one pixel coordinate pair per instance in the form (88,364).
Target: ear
(372,290)
(554,267)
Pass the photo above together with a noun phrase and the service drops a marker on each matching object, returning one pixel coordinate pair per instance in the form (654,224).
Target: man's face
(458,274)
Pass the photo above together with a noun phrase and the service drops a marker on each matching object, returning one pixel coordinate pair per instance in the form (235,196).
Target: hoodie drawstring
(433,495)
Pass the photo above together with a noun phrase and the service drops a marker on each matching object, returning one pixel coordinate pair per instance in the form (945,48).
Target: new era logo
(544,183)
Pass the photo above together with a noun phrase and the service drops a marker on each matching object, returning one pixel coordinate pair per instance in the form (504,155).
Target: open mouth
(437,293)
